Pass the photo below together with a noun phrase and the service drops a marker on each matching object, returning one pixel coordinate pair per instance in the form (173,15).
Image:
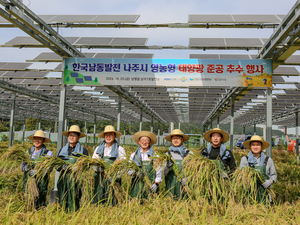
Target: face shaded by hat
(208,134)
(109,129)
(177,132)
(74,129)
(41,134)
(256,138)
(136,137)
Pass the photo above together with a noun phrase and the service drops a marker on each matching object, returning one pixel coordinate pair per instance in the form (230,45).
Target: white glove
(267,183)
(154,188)
(131,172)
(26,168)
(32,173)
(98,169)
(183,181)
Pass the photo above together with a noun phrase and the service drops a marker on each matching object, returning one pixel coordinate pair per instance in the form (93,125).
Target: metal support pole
(12,119)
(297,137)
(204,142)
(231,123)
(55,126)
(23,136)
(40,122)
(286,142)
(218,120)
(50,131)
(141,120)
(124,138)
(179,125)
(119,115)
(269,122)
(65,139)
(151,129)
(94,139)
(158,138)
(254,132)
(244,131)
(211,124)
(61,119)
(86,132)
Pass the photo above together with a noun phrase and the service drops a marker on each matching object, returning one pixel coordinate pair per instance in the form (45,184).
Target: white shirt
(159,172)
(107,151)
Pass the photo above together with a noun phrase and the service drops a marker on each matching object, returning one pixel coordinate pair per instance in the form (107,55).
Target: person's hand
(32,173)
(98,169)
(27,168)
(267,183)
(65,167)
(154,188)
(170,163)
(140,175)
(183,181)
(131,172)
(110,179)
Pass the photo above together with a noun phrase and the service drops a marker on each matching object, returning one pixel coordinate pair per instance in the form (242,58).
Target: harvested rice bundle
(204,179)
(31,192)
(246,185)
(16,153)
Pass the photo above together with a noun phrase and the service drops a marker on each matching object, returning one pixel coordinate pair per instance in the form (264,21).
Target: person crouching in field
(141,157)
(69,192)
(109,150)
(36,152)
(217,150)
(178,152)
(257,159)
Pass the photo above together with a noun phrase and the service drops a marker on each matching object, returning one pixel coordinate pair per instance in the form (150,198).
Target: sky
(155,11)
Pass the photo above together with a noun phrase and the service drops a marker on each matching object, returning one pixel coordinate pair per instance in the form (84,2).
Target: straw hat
(216,130)
(265,144)
(39,133)
(74,128)
(109,129)
(177,132)
(136,137)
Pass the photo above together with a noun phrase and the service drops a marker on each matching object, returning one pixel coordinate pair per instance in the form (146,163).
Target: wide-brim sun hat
(109,129)
(177,132)
(136,137)
(256,138)
(39,133)
(216,130)
(75,129)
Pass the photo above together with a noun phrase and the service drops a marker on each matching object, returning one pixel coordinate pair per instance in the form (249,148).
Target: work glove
(154,188)
(183,181)
(110,179)
(32,173)
(26,168)
(224,175)
(267,183)
(65,167)
(131,172)
(170,163)
(98,169)
(140,175)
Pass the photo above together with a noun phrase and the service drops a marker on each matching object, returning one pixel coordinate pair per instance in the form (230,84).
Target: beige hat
(39,133)
(136,137)
(177,132)
(265,144)
(216,130)
(74,128)
(109,129)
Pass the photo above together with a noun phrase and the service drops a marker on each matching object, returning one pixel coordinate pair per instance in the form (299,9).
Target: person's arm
(244,162)
(85,152)
(95,155)
(230,162)
(122,153)
(271,171)
(50,153)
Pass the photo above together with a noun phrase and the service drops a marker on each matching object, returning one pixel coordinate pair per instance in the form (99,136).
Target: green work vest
(173,186)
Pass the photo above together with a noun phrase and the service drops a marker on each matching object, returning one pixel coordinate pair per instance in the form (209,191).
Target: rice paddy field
(159,209)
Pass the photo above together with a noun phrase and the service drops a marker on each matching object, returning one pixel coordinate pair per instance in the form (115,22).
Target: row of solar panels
(27,41)
(193,18)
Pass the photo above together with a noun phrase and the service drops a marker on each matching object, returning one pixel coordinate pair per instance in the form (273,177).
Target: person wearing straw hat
(258,160)
(37,151)
(69,192)
(109,150)
(177,152)
(141,157)
(217,150)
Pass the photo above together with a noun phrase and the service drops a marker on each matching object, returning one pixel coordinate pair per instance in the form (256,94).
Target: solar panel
(205,42)
(256,18)
(94,41)
(285,70)
(227,56)
(244,42)
(88,78)
(277,80)
(138,55)
(204,56)
(129,41)
(12,74)
(198,18)
(74,74)
(79,80)
(109,55)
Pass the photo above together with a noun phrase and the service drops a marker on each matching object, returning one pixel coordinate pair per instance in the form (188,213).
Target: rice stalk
(16,153)
(31,192)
